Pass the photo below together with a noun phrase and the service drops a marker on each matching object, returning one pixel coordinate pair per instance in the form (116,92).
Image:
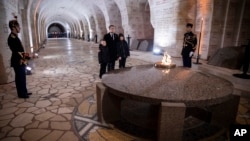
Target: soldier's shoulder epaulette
(12,36)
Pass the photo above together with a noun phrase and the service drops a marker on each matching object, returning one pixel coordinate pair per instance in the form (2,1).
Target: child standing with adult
(103,57)
(122,51)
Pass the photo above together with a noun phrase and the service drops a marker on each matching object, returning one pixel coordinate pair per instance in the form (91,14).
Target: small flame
(166,60)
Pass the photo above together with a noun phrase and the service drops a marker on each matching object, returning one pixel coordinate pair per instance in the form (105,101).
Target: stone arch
(148,29)
(136,18)
(56,30)
(46,23)
(67,23)
(100,23)
(114,14)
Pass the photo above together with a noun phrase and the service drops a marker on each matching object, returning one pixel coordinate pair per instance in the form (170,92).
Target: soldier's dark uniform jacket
(17,50)
(189,44)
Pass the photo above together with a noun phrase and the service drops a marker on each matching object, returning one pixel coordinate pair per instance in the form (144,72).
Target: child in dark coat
(122,51)
(103,57)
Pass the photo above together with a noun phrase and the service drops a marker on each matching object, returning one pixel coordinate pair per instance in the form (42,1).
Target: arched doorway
(56,30)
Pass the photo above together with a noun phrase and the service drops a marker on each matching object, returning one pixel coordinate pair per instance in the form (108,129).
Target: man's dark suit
(111,43)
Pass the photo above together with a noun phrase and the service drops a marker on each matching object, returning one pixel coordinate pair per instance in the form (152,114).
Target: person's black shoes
(24,96)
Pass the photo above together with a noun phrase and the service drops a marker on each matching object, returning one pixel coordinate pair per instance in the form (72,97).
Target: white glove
(191,54)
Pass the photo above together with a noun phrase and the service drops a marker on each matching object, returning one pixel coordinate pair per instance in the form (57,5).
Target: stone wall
(169,19)
(218,20)
(7,8)
(217,23)
(224,23)
(244,33)
(229,57)
(135,19)
(230,24)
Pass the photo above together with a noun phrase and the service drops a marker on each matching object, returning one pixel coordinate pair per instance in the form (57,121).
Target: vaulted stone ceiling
(84,16)
(219,23)
(159,20)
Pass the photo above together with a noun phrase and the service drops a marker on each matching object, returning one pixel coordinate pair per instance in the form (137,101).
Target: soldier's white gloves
(191,54)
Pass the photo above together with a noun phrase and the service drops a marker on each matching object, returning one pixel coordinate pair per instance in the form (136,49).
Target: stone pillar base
(225,113)
(171,121)
(108,105)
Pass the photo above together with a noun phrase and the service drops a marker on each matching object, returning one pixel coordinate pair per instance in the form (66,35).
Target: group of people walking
(112,47)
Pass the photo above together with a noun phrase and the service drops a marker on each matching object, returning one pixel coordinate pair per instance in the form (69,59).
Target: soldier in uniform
(18,59)
(189,46)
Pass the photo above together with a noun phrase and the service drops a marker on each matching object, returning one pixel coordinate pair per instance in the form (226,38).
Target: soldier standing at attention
(18,59)
(189,46)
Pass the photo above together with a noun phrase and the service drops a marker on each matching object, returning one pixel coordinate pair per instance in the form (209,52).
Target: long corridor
(63,104)
(63,78)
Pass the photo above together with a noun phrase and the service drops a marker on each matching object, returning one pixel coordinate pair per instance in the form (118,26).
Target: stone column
(6,8)
(239,26)
(204,13)
(43,31)
(171,121)
(245,28)
(72,32)
(32,28)
(92,31)
(86,29)
(34,31)
(108,105)
(24,28)
(100,91)
(225,113)
(224,27)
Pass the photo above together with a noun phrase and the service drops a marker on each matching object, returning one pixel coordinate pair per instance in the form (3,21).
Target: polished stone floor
(63,104)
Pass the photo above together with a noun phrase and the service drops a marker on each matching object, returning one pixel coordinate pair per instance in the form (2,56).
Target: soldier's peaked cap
(189,25)
(13,23)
